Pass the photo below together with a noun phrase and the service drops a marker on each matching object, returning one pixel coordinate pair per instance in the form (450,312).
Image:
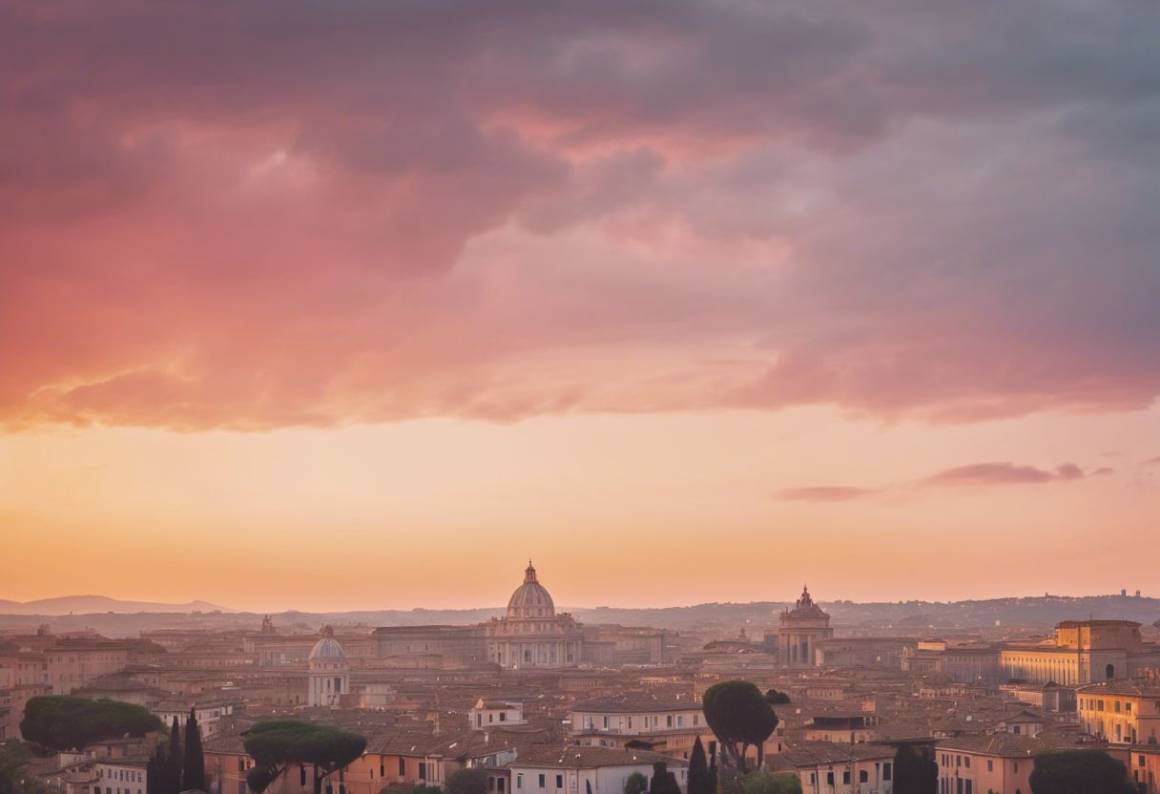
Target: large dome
(531,599)
(328,647)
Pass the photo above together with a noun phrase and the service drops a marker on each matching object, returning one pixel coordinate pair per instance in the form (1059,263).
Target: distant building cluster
(540,703)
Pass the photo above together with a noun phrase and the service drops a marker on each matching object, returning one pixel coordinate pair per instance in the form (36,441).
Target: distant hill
(89,604)
(996,616)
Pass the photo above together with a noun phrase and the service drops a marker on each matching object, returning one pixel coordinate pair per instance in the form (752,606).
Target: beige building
(1122,712)
(495,713)
(800,630)
(1143,765)
(825,768)
(998,764)
(1081,652)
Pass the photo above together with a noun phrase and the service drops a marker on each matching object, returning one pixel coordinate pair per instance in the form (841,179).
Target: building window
(863,776)
(402,767)
(559,781)
(542,782)
(519,780)
(830,778)
(887,769)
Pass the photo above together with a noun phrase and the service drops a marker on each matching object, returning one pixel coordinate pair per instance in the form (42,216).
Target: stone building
(531,633)
(329,671)
(800,630)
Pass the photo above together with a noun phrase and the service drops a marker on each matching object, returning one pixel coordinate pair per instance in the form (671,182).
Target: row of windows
(130,775)
(650,721)
(118,790)
(1096,704)
(964,761)
(863,775)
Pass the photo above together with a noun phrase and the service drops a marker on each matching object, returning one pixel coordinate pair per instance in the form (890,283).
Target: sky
(361,305)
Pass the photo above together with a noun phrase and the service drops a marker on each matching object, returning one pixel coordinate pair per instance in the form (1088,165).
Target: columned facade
(531,634)
(799,631)
(329,671)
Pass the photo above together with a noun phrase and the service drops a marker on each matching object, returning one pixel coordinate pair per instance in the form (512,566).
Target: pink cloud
(498,212)
(825,493)
(1003,474)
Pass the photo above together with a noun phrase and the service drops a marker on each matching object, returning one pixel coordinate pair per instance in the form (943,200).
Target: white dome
(531,599)
(327,647)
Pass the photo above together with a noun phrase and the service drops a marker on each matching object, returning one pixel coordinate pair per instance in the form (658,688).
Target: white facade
(493,713)
(329,672)
(208,716)
(605,778)
(631,723)
(125,777)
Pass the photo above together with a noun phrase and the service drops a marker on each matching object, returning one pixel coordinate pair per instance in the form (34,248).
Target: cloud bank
(231,216)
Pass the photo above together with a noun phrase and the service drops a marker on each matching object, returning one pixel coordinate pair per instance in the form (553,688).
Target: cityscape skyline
(599,397)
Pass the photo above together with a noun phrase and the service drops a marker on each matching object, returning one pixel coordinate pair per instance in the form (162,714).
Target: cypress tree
(174,760)
(193,773)
(157,771)
(698,770)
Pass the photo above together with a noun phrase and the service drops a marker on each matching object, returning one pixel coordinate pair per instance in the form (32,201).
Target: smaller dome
(327,647)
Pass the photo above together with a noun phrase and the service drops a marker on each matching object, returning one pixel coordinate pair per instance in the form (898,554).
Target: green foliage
(174,760)
(162,773)
(762,782)
(274,744)
(466,781)
(699,770)
(915,771)
(1079,772)
(61,722)
(663,781)
(259,778)
(13,760)
(740,716)
(636,784)
(407,788)
(775,698)
(193,770)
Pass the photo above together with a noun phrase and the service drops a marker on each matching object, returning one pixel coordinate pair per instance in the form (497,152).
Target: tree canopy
(740,716)
(1079,772)
(699,770)
(915,772)
(762,782)
(13,759)
(61,722)
(636,784)
(466,781)
(275,744)
(776,698)
(663,781)
(193,768)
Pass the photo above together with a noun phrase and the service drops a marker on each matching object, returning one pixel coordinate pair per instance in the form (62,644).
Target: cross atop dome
(530,572)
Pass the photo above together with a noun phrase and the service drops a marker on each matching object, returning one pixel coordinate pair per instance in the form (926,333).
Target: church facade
(799,631)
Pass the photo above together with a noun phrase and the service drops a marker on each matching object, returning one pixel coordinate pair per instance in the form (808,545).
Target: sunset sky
(362,304)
